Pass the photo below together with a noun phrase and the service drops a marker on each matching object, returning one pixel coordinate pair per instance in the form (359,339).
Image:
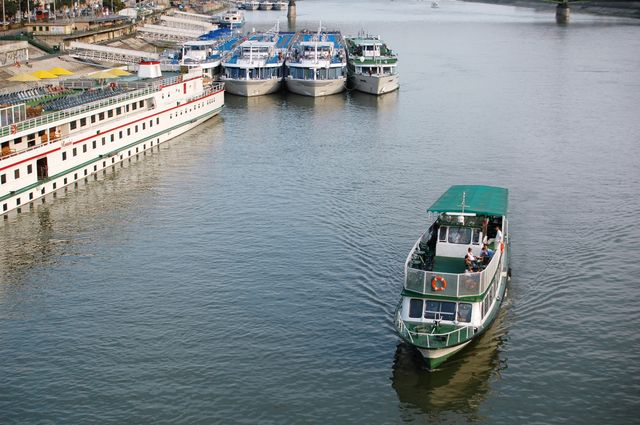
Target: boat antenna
(462,206)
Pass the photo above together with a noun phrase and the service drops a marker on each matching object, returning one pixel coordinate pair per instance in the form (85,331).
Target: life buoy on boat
(435,286)
(501,246)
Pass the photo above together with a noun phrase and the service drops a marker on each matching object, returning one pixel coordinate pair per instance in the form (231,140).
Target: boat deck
(440,336)
(448,265)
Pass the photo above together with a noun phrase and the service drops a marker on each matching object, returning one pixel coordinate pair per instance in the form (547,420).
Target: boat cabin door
(42,168)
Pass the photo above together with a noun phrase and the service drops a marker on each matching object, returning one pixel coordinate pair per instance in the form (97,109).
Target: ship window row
(254,73)
(82,122)
(318,74)
(488,299)
(373,70)
(439,310)
(16,173)
(112,138)
(459,235)
(74,151)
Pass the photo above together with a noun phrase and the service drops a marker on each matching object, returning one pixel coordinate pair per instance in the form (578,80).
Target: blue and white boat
(317,64)
(257,64)
(208,52)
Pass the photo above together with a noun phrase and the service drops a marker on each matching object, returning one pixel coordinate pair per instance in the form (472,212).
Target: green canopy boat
(456,273)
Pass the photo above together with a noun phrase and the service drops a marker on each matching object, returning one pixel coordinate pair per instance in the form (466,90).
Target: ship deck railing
(457,284)
(141,88)
(213,88)
(426,335)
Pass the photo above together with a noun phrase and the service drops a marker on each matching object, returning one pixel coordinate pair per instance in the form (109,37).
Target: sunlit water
(247,272)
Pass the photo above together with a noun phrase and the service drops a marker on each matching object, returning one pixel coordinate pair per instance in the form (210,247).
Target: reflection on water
(461,384)
(266,102)
(382,104)
(27,248)
(58,225)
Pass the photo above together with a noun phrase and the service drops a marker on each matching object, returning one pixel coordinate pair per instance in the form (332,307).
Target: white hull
(252,87)
(442,352)
(375,85)
(89,151)
(316,88)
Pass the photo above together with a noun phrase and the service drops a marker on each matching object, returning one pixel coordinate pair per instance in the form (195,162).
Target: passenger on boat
(486,254)
(468,265)
(471,260)
(498,239)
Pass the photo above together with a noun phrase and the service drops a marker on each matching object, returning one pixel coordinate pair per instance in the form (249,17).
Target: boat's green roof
(480,200)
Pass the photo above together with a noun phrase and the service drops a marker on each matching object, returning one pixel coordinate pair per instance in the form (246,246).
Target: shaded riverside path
(249,271)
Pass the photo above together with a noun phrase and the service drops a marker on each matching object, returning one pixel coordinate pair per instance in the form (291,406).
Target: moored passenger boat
(317,64)
(265,5)
(372,65)
(447,300)
(251,5)
(257,65)
(280,5)
(209,51)
(55,136)
(231,19)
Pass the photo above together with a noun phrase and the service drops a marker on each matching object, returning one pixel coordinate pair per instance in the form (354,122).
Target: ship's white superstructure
(77,134)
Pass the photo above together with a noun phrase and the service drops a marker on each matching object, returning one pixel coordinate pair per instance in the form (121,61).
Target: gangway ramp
(194,16)
(160,32)
(188,24)
(109,54)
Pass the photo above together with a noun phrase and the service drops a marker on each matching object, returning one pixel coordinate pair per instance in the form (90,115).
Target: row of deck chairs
(87,96)
(24,96)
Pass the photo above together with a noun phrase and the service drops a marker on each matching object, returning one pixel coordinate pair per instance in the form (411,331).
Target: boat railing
(401,327)
(213,88)
(451,284)
(432,339)
(439,340)
(69,113)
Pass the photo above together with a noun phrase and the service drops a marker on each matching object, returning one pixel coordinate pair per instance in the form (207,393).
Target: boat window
(464,312)
(476,236)
(442,310)
(415,308)
(460,235)
(443,234)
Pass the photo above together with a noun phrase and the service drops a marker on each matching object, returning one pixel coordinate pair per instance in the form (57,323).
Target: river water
(248,271)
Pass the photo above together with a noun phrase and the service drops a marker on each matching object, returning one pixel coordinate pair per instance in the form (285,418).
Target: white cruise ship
(317,64)
(54,136)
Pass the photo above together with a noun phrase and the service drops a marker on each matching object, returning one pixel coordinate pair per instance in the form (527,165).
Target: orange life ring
(434,283)
(501,246)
